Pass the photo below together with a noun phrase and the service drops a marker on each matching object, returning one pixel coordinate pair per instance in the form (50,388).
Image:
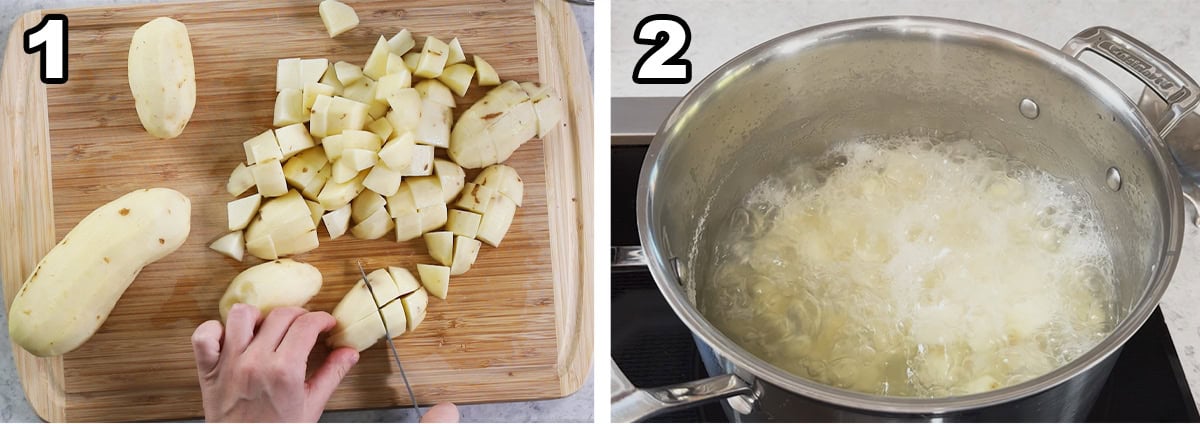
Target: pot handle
(1161,75)
(628,256)
(630,404)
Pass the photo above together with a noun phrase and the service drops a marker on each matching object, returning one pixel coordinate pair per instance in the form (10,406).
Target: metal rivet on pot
(1029,108)
(1113,178)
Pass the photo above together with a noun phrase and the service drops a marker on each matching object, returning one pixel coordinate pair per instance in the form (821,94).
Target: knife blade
(387,334)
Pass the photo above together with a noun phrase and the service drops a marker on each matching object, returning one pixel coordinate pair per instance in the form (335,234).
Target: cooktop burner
(654,348)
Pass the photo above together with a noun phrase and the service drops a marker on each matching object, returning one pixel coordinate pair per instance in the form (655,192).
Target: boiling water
(912,267)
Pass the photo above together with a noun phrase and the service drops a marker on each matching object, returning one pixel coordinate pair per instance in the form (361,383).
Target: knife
(388,337)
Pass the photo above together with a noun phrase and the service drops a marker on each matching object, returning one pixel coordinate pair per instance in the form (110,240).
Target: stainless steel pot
(795,95)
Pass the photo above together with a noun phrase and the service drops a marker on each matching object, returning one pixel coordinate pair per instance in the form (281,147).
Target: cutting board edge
(563,65)
(25,155)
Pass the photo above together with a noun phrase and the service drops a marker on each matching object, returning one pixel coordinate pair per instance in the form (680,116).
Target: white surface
(721,31)
(575,408)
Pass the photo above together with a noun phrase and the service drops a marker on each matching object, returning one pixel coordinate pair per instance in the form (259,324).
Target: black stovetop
(654,348)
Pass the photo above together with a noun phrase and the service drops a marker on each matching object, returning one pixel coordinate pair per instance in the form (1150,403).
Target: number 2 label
(663,63)
(49,38)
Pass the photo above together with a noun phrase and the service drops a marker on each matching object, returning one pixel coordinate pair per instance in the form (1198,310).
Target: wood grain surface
(518,326)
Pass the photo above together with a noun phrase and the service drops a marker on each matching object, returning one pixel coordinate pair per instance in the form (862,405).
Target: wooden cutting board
(518,326)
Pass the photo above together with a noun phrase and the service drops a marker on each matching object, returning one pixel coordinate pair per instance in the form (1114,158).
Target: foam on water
(913,267)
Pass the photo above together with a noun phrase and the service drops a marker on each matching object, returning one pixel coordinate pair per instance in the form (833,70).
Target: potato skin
(162,77)
(76,285)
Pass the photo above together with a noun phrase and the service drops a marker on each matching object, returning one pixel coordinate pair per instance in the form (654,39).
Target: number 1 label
(49,38)
(663,63)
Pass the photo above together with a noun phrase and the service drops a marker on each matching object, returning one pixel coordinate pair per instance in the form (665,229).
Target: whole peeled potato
(162,76)
(76,285)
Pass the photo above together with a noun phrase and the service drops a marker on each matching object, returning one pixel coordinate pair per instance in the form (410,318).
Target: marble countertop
(721,30)
(575,408)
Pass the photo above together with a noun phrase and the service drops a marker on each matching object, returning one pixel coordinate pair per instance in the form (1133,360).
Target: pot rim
(670,285)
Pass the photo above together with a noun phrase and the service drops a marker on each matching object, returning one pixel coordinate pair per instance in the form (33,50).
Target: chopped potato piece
(411,59)
(405,115)
(434,127)
(338,17)
(311,71)
(383,180)
(422,161)
(440,245)
(380,127)
(456,53)
(391,83)
(433,58)
(365,205)
(402,42)
(496,221)
(463,223)
(375,226)
(465,252)
(398,152)
(314,89)
(241,211)
(293,139)
(268,177)
(458,78)
(376,65)
(287,74)
(337,221)
(231,245)
(452,178)
(435,278)
(334,195)
(240,180)
(262,148)
(487,75)
(347,73)
(476,198)
(316,210)
(415,304)
(432,89)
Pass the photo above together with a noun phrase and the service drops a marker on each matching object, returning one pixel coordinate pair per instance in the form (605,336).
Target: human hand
(441,413)
(249,376)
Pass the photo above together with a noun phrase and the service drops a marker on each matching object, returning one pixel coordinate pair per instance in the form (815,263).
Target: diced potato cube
(300,170)
(435,278)
(396,65)
(391,83)
(433,58)
(330,79)
(496,220)
(335,195)
(383,180)
(440,245)
(405,282)
(465,252)
(380,127)
(426,191)
(486,73)
(231,245)
(452,177)
(375,226)
(240,180)
(293,139)
(434,127)
(287,74)
(402,202)
(262,148)
(314,89)
(359,159)
(335,145)
(311,70)
(456,53)
(408,226)
(241,211)
(405,115)
(338,17)
(432,89)
(316,210)
(343,171)
(362,91)
(365,205)
(411,59)
(398,152)
(422,161)
(476,198)
(402,42)
(314,186)
(337,221)
(415,305)
(376,65)
(463,223)
(268,176)
(432,217)
(347,73)
(457,77)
